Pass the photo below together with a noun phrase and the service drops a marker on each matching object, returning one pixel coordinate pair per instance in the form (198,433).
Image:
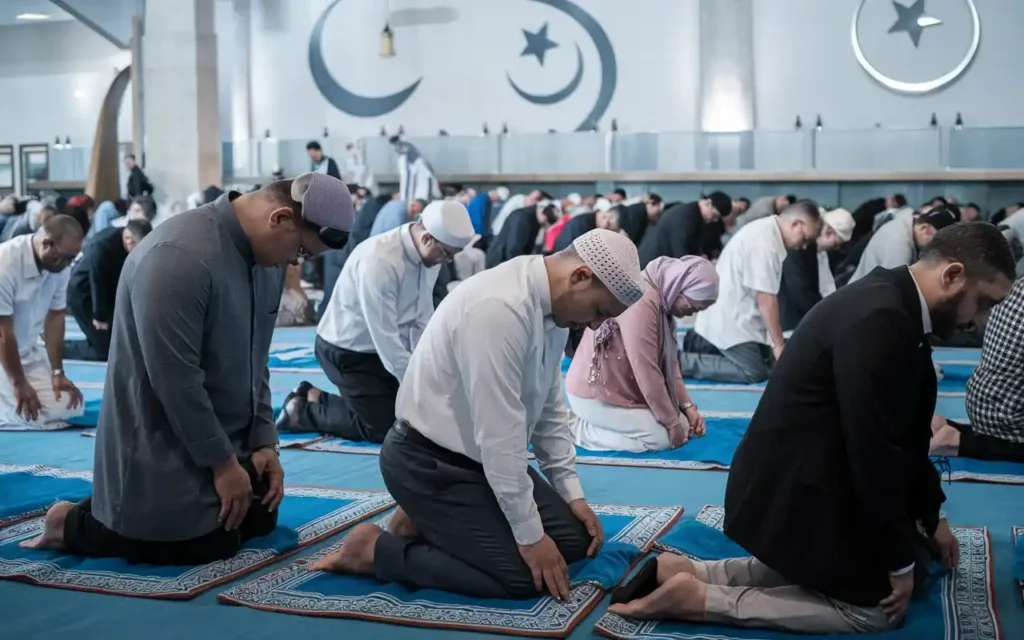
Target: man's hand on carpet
(267,462)
(27,400)
(62,385)
(947,545)
(697,425)
(586,515)
(547,566)
(677,436)
(895,606)
(234,488)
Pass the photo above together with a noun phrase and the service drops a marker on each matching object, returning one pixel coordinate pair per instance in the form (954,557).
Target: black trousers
(98,342)
(364,408)
(982,447)
(84,535)
(745,363)
(467,546)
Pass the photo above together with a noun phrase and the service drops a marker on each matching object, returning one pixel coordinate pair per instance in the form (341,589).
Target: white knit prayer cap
(602,204)
(574,199)
(502,193)
(614,260)
(448,221)
(841,222)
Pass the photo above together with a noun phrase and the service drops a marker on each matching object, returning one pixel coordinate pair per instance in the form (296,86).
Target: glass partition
(6,169)
(35,165)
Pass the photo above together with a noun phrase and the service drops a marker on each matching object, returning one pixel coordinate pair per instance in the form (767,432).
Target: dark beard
(944,318)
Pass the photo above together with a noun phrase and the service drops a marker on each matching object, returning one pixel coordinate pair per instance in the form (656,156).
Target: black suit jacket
(800,289)
(578,225)
(92,286)
(138,183)
(633,220)
(518,237)
(833,474)
(679,233)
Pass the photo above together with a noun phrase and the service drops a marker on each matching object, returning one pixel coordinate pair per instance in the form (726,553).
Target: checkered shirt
(995,392)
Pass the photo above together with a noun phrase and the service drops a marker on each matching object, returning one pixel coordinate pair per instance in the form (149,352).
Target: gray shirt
(761,208)
(187,385)
(890,247)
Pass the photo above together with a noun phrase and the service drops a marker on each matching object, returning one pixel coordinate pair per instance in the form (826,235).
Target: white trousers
(38,373)
(603,427)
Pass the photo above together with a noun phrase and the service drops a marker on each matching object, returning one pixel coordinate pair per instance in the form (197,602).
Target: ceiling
(9,10)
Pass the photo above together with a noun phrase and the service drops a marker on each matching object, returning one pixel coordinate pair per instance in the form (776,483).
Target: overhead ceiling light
(33,16)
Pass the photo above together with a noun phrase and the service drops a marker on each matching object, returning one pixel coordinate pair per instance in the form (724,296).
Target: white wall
(53,77)
(805,65)
(463,64)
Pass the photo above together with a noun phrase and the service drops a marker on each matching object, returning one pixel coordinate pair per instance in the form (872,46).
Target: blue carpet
(957,604)
(28,490)
(629,532)
(308,515)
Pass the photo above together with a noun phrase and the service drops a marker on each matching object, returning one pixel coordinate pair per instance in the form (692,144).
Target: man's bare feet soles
(670,564)
(355,556)
(52,536)
(401,525)
(945,442)
(681,597)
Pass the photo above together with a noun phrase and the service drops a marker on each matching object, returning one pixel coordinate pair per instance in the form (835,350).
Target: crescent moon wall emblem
(561,94)
(927,86)
(343,99)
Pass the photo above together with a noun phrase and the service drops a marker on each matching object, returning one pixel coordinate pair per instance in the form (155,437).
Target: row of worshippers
(479,388)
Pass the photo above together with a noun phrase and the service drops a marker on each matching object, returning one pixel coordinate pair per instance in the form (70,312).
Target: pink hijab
(689,276)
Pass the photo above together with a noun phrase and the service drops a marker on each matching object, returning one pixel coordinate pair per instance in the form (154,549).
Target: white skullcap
(614,260)
(602,204)
(574,199)
(841,222)
(448,221)
(502,192)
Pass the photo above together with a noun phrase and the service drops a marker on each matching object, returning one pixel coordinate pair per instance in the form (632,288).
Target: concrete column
(183,144)
(241,105)
(727,65)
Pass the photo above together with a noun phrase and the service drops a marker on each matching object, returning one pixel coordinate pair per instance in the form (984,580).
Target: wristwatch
(57,373)
(686,405)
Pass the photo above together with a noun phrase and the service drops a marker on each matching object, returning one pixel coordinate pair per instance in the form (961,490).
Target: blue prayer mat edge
(585,595)
(37,470)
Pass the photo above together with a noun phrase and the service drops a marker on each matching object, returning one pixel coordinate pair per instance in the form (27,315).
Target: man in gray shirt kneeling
(186,450)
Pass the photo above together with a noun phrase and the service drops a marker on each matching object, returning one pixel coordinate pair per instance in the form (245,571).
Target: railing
(799,151)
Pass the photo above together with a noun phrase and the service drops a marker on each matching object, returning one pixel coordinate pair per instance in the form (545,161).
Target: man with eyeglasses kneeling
(34,393)
(377,313)
(186,465)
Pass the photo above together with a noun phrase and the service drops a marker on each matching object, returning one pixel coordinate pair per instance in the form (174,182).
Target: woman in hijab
(624,384)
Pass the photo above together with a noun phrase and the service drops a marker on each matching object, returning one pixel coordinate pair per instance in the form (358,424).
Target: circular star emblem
(915,46)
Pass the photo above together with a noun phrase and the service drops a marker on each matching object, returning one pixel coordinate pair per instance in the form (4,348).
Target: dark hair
(971,205)
(550,213)
(313,145)
(129,155)
(138,228)
(979,246)
(938,199)
(121,205)
(544,195)
(61,225)
(353,188)
(621,192)
(745,201)
(654,198)
(394,140)
(146,202)
(900,200)
(806,207)
(792,199)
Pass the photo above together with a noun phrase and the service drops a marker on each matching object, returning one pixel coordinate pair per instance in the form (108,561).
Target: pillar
(180,107)
(726,65)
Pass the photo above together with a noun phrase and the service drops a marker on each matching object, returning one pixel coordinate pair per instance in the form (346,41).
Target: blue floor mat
(958,604)
(629,533)
(28,490)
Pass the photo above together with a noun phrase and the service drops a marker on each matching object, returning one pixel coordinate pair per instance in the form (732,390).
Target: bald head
(58,242)
(61,227)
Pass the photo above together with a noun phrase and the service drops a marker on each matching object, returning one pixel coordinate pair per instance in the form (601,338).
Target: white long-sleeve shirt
(382,300)
(416,181)
(485,381)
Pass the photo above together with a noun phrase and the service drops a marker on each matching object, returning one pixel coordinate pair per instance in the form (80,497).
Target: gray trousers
(745,363)
(744,592)
(467,546)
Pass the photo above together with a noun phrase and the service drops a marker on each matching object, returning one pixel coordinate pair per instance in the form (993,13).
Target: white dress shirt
(26,292)
(382,300)
(826,281)
(486,382)
(750,263)
(518,201)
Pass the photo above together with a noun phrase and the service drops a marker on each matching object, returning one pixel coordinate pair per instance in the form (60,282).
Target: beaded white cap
(615,262)
(449,222)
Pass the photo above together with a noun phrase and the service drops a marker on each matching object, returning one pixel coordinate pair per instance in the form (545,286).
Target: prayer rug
(1018,557)
(712,451)
(959,605)
(629,533)
(293,358)
(28,491)
(988,471)
(308,515)
(286,440)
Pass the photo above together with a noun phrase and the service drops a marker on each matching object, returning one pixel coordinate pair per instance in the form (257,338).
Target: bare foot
(52,536)
(313,395)
(945,442)
(401,525)
(671,564)
(937,423)
(355,556)
(682,597)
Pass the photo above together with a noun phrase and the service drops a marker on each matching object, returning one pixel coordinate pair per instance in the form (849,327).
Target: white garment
(382,300)
(826,282)
(518,201)
(323,166)
(750,264)
(469,262)
(358,170)
(294,309)
(605,427)
(36,365)
(485,381)
(1015,222)
(416,181)
(26,293)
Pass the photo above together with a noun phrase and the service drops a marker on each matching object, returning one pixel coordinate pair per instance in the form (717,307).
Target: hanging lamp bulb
(387,42)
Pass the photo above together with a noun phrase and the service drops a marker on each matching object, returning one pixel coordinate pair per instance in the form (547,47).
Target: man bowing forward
(484,383)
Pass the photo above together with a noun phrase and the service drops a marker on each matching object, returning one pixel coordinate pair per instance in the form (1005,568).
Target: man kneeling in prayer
(831,489)
(34,392)
(377,314)
(484,383)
